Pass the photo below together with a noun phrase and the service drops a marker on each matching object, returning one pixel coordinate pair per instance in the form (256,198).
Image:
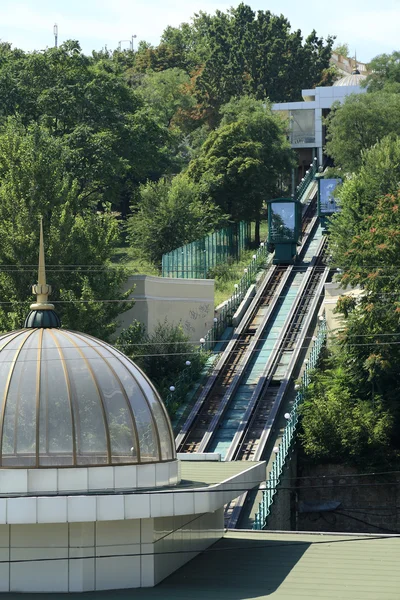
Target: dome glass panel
(69,399)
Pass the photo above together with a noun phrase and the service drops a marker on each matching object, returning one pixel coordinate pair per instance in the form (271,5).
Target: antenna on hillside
(55,31)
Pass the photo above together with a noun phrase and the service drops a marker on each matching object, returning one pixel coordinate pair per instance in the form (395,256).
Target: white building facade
(307,130)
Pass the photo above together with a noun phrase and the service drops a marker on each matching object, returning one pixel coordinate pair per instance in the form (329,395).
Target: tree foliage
(378,175)
(342,49)
(338,425)
(385,73)
(115,142)
(353,407)
(241,163)
(170,214)
(242,52)
(34,181)
(359,123)
(161,354)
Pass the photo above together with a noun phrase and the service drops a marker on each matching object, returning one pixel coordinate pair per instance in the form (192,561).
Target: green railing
(195,260)
(307,179)
(224,318)
(282,450)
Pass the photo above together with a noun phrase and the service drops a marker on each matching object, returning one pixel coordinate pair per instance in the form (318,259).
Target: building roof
(247,565)
(288,566)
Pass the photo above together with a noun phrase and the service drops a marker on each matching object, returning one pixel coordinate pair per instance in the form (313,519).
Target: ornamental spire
(41,288)
(42,312)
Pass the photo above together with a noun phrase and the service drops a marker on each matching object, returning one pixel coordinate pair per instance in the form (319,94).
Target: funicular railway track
(251,439)
(220,389)
(251,445)
(206,407)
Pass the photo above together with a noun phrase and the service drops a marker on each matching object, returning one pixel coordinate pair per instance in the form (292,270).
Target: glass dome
(70,399)
(355,78)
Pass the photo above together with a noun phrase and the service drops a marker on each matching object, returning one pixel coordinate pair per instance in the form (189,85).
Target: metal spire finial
(41,288)
(355,68)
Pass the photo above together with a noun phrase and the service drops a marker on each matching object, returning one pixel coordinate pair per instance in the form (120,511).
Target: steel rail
(236,347)
(223,362)
(249,353)
(272,364)
(233,510)
(243,362)
(209,422)
(310,314)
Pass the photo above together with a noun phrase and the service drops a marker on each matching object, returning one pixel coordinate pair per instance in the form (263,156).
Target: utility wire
(215,549)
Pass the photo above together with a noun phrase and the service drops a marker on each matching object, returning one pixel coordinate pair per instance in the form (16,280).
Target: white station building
(92,496)
(307,130)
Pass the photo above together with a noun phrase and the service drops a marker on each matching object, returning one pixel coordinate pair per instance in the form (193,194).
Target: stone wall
(368,504)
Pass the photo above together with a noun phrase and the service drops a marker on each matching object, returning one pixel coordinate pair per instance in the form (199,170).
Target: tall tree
(353,410)
(170,214)
(241,163)
(359,123)
(385,73)
(243,52)
(116,144)
(34,181)
(379,175)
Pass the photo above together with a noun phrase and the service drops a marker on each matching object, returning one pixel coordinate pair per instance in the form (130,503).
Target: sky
(369,27)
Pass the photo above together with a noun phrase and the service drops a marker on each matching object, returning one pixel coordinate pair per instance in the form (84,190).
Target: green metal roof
(255,565)
(207,473)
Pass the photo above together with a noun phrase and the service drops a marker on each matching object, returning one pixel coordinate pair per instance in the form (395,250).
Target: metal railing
(224,318)
(282,450)
(307,179)
(195,260)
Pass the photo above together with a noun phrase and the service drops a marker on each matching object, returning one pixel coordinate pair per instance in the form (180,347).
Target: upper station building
(307,132)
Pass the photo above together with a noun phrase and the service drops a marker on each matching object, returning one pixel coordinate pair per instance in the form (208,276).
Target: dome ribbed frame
(69,400)
(350,80)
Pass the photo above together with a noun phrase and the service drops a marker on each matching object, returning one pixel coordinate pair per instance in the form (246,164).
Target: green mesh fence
(194,260)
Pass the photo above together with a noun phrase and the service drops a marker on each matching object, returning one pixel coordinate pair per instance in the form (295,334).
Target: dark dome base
(42,319)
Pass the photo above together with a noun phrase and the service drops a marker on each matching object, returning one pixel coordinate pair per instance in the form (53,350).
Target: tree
(170,214)
(378,175)
(385,73)
(162,354)
(342,49)
(359,123)
(372,327)
(166,94)
(240,164)
(116,144)
(241,52)
(363,379)
(34,181)
(337,425)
